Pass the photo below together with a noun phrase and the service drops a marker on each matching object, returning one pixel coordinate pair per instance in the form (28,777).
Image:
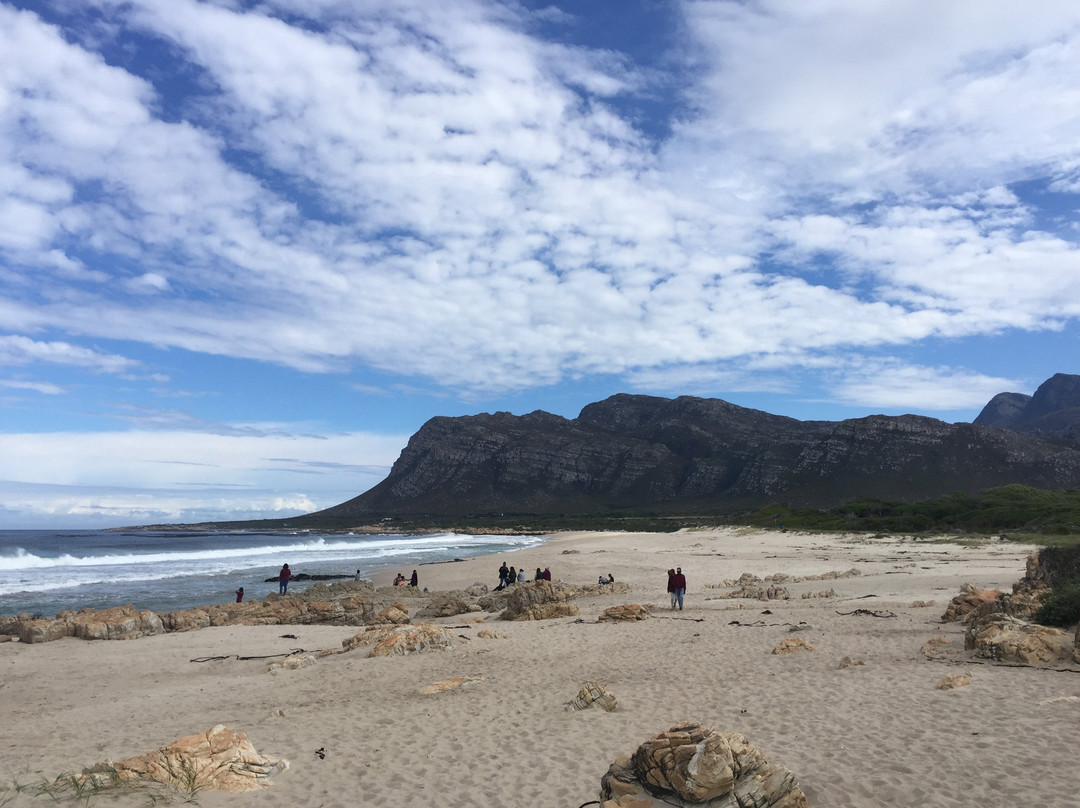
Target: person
(671,586)
(679,582)
(511,577)
(283,579)
(399,580)
(357,576)
(603,581)
(610,578)
(547,574)
(503,573)
(240,595)
(521,575)
(415,580)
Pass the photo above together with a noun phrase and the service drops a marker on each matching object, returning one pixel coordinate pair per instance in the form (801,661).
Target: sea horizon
(43,572)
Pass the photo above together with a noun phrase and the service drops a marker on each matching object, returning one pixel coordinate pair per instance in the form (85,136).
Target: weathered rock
(292,663)
(791,645)
(448,684)
(219,760)
(848,662)
(951,681)
(44,630)
(539,600)
(691,764)
(488,634)
(394,640)
(1076,645)
(444,604)
(391,615)
(626,613)
(932,646)
(1006,638)
(969,599)
(592,693)
(922,604)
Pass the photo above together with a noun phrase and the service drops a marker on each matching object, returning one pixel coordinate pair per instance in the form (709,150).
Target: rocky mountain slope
(645,454)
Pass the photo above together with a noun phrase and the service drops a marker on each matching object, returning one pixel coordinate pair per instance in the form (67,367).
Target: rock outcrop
(219,760)
(690,764)
(539,600)
(400,640)
(791,645)
(969,599)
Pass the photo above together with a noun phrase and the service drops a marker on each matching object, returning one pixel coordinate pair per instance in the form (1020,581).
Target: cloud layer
(454,193)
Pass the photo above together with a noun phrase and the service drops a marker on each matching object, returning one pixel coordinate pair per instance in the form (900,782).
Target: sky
(248,248)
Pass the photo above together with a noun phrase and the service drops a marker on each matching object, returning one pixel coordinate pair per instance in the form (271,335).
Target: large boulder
(592,694)
(220,760)
(691,764)
(1005,638)
(118,623)
(399,640)
(539,600)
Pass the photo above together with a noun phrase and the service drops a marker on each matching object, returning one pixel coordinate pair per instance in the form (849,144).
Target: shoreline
(874,734)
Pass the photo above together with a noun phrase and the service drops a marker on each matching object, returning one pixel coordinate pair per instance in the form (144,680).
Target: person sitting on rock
(511,577)
(610,578)
(539,575)
(521,575)
(602,580)
(547,574)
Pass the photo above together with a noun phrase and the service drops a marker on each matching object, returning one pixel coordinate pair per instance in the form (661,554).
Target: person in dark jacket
(283,579)
(415,580)
(547,574)
(679,582)
(671,586)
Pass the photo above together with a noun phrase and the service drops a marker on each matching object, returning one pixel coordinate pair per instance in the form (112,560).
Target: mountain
(640,454)
(1053,410)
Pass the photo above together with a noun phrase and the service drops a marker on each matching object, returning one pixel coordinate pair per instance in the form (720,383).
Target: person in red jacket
(240,595)
(678,581)
(283,579)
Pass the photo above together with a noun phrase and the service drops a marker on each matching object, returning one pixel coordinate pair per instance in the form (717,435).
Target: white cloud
(430,190)
(19,350)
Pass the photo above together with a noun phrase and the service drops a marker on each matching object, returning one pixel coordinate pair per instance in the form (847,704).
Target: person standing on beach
(283,579)
(671,586)
(679,582)
(415,580)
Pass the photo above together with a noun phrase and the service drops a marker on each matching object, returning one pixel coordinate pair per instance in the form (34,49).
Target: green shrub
(1062,606)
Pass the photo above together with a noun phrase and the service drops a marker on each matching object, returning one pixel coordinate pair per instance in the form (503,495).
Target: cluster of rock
(219,760)
(346,603)
(998,626)
(399,640)
(748,579)
(691,764)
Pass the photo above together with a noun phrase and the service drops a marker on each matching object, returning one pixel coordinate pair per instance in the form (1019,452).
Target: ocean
(43,572)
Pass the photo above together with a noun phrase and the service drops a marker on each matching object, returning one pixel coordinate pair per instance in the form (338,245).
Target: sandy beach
(875,734)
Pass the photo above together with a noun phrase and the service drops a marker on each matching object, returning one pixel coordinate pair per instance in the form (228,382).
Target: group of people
(401,580)
(509,575)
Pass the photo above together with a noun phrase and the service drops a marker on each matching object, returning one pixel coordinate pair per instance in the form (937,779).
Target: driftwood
(244,658)
(800,626)
(866,611)
(993,664)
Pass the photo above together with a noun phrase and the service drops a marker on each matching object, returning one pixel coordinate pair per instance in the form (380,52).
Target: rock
(444,604)
(488,634)
(848,662)
(1076,645)
(922,604)
(399,640)
(292,663)
(932,646)
(391,615)
(691,764)
(219,760)
(951,681)
(626,613)
(969,599)
(448,684)
(592,693)
(791,645)
(539,600)
(1005,638)
(44,630)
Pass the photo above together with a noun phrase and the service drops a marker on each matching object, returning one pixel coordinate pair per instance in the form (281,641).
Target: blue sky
(247,249)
